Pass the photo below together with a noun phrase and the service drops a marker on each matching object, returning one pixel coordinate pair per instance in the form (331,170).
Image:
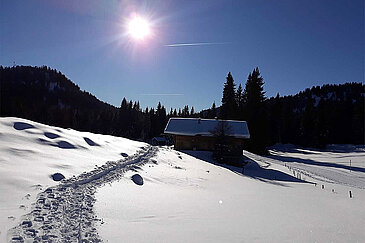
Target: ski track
(65,213)
(324,174)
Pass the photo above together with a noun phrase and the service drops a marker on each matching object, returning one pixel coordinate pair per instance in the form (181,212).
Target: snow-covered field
(339,164)
(178,197)
(185,199)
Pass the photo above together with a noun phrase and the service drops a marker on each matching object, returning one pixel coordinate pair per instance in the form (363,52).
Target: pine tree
(254,94)
(160,118)
(185,111)
(213,111)
(171,112)
(239,96)
(229,105)
(276,120)
(239,101)
(254,112)
(192,112)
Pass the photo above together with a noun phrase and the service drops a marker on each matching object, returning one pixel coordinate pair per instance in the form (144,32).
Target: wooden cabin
(200,134)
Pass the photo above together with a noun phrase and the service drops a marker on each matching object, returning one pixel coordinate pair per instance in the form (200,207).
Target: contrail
(197,44)
(163,94)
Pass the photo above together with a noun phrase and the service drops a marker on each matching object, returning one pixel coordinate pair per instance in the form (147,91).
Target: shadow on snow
(312,162)
(252,169)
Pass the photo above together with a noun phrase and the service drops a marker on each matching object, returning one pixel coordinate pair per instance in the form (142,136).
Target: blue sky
(295,44)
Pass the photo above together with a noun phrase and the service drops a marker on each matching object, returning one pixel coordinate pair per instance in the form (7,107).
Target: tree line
(314,117)
(331,114)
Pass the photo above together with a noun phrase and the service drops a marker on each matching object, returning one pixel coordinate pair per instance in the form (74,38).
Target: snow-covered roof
(204,127)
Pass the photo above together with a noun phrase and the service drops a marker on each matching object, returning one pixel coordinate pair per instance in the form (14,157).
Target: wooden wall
(203,143)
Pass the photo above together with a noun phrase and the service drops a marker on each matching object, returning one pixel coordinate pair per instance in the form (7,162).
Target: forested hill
(319,116)
(45,95)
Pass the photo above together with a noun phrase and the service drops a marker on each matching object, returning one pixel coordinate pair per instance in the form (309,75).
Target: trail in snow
(321,173)
(65,213)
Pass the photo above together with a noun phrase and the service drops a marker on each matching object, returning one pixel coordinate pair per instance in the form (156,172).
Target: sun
(138,28)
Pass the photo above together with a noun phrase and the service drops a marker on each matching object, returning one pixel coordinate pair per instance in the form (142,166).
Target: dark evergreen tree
(213,111)
(276,120)
(171,112)
(192,112)
(229,105)
(239,97)
(185,111)
(255,112)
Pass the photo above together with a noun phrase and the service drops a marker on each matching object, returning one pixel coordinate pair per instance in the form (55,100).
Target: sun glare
(138,28)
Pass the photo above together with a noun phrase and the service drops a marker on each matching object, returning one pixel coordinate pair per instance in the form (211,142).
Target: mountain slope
(46,95)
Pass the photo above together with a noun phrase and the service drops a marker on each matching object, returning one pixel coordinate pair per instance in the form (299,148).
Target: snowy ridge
(65,212)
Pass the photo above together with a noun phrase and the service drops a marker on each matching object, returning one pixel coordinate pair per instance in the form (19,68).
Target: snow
(339,164)
(31,152)
(197,126)
(193,200)
(119,190)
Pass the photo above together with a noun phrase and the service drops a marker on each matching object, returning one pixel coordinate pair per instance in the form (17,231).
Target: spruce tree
(239,101)
(254,94)
(254,111)
(185,111)
(239,96)
(192,112)
(213,111)
(229,105)
(171,112)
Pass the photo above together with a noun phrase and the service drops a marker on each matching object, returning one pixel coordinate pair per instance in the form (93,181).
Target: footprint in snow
(57,177)
(137,179)
(22,126)
(51,135)
(90,142)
